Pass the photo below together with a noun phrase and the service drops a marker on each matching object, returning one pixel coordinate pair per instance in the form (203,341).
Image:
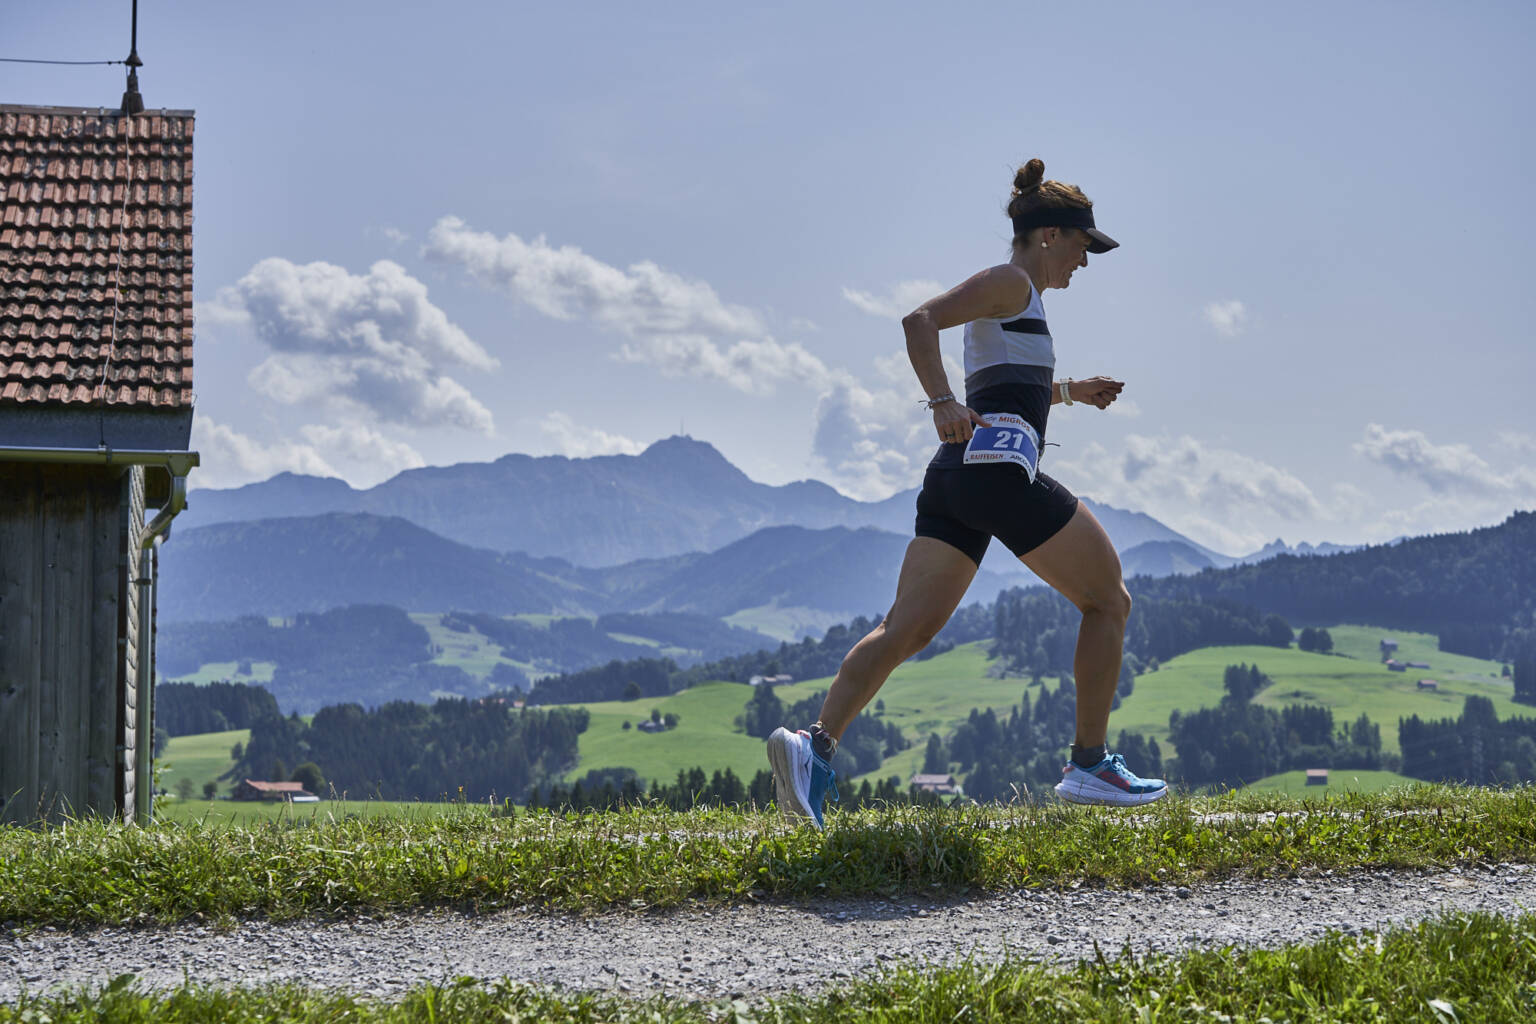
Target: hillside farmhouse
(293,792)
(95,420)
(943,785)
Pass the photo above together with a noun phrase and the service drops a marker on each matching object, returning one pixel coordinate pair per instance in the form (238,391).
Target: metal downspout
(144,750)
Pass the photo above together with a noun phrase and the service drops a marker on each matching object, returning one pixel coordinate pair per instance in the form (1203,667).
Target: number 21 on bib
(1006,438)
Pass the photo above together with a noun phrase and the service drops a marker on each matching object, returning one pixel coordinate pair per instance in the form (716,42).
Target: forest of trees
(809,658)
(184,709)
(1035,630)
(1020,755)
(1475,748)
(1475,590)
(471,749)
(364,653)
(1238,742)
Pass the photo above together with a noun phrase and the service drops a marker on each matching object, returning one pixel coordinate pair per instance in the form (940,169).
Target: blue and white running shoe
(1108,782)
(801,779)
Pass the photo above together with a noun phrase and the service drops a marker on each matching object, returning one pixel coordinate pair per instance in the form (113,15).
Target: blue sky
(427,235)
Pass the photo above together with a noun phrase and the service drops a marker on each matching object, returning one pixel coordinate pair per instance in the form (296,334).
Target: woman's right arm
(991,293)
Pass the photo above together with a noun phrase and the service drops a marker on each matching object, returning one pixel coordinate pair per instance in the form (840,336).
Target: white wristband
(1066,395)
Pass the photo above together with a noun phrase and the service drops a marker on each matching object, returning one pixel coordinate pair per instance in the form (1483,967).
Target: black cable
(26,60)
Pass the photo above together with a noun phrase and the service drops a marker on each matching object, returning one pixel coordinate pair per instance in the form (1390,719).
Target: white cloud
(565,283)
(348,450)
(1229,318)
(395,235)
(230,458)
(679,325)
(898,300)
(580,440)
(1520,444)
(753,366)
(1444,468)
(372,341)
(361,445)
(1221,498)
(872,441)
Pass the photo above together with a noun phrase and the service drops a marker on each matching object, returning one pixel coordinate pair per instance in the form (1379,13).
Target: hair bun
(1029,177)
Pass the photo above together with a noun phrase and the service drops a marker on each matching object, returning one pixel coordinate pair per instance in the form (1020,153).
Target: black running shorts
(968,506)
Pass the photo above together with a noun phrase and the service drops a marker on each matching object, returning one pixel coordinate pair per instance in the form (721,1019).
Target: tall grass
(91,872)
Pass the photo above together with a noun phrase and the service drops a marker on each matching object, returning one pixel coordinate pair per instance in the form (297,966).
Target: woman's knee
(1114,601)
(898,640)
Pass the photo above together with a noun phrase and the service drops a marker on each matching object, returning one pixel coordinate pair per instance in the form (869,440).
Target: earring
(1045,245)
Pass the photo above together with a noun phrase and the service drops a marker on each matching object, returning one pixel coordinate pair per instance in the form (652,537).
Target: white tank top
(1022,339)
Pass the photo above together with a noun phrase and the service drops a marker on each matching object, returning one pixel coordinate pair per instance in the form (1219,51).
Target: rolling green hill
(202,757)
(1341,780)
(935,695)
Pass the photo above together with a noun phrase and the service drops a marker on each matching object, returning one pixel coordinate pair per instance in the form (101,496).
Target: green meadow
(472,651)
(250,813)
(225,671)
(1364,644)
(1348,686)
(1340,780)
(201,758)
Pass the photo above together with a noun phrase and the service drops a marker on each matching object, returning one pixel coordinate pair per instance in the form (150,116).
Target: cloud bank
(371,343)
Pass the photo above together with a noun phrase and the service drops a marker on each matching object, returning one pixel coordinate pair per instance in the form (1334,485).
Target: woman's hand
(1096,391)
(955,422)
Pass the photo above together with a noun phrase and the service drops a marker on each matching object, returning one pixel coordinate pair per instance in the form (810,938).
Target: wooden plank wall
(61,555)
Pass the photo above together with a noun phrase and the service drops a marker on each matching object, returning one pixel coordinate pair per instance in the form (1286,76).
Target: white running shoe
(1109,782)
(800,778)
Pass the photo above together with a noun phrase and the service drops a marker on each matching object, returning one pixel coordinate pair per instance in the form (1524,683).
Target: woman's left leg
(1081,563)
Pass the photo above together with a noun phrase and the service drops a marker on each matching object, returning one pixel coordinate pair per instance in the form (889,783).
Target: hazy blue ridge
(678,497)
(310,564)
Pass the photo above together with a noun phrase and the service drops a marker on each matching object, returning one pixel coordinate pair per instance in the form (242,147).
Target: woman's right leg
(934,577)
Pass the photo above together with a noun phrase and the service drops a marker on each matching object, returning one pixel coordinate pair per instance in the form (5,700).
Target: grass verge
(93,872)
(1472,968)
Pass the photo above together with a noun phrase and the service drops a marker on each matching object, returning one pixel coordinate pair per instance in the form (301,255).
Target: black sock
(1087,757)
(822,742)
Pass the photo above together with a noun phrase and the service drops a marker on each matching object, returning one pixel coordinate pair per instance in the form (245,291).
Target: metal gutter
(144,750)
(177,463)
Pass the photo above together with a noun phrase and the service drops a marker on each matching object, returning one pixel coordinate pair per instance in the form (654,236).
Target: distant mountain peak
(682,443)
(682,452)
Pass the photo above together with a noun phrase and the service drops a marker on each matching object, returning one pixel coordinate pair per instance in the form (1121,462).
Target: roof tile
(77,186)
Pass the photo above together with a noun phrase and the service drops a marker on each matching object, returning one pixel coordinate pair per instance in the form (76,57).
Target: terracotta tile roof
(93,203)
(276,787)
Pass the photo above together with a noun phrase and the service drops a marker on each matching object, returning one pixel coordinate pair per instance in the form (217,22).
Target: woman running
(984,483)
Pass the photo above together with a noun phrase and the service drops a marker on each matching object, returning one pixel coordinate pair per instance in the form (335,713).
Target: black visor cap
(1065,217)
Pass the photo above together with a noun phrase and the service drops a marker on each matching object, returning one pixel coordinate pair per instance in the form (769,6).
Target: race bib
(1006,438)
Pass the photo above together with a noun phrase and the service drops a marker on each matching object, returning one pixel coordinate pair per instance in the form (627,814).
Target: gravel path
(754,950)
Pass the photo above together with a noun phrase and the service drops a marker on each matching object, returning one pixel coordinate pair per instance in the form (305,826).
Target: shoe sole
(1107,796)
(782,760)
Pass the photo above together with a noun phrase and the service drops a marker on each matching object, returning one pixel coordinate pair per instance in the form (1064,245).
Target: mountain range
(676,497)
(675,528)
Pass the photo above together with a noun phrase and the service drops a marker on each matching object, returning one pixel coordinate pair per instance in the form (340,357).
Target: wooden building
(293,792)
(95,420)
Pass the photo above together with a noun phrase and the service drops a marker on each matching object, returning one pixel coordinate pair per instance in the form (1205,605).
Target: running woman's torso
(1009,365)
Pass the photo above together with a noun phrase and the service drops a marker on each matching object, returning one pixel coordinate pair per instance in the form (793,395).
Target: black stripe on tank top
(1026,325)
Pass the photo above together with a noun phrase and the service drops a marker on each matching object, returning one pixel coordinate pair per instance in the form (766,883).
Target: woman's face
(1065,253)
